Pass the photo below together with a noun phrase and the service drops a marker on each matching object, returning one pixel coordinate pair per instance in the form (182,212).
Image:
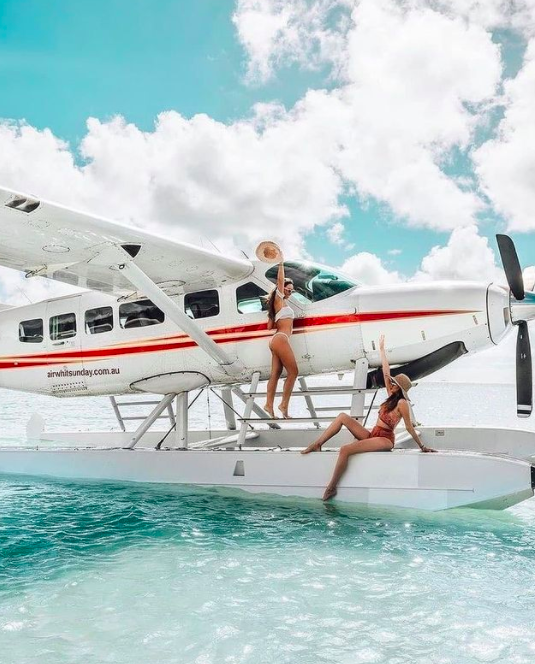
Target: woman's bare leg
(357,447)
(276,370)
(281,346)
(342,420)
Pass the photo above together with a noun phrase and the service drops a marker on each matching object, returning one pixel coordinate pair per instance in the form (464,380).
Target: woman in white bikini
(281,318)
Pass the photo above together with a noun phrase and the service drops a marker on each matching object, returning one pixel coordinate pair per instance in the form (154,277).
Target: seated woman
(381,437)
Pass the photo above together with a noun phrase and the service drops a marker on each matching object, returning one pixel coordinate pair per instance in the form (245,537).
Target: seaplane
(153,316)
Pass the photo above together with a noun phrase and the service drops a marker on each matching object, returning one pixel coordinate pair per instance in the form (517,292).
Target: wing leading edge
(49,240)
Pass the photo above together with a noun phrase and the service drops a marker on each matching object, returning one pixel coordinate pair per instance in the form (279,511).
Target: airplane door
(63,333)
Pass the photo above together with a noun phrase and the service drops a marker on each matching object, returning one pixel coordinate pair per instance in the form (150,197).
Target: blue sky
(62,62)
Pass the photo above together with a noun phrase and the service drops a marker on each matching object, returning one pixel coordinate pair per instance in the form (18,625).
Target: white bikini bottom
(283,334)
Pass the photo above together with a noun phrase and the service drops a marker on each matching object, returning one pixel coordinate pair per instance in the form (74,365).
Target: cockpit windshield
(312,283)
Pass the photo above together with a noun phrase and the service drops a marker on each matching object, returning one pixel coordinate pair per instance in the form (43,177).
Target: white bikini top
(286,311)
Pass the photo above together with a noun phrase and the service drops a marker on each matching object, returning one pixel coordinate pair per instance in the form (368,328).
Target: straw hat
(403,382)
(269,252)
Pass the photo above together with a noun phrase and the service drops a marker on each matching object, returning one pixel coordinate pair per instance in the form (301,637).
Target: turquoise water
(95,572)
(106,572)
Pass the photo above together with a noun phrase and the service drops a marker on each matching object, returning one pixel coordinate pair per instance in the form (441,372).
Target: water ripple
(103,572)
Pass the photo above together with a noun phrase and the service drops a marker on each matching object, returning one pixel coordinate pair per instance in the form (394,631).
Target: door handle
(59,343)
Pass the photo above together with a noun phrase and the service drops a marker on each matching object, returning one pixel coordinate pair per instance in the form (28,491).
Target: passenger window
(250,298)
(31,331)
(62,327)
(99,320)
(140,314)
(202,305)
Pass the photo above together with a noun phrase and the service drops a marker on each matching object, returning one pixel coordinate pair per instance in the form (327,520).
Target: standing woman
(381,437)
(281,318)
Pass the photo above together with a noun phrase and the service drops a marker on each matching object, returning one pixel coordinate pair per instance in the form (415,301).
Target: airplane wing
(45,239)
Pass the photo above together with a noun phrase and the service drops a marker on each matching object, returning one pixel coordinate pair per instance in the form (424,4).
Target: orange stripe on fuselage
(220,335)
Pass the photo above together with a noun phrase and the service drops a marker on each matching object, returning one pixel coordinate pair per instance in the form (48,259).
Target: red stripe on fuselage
(231,335)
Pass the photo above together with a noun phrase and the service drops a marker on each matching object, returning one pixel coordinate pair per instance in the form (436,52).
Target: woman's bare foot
(313,447)
(330,492)
(269,410)
(284,411)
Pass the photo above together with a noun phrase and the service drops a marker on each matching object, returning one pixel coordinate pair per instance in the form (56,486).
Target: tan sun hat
(269,252)
(403,382)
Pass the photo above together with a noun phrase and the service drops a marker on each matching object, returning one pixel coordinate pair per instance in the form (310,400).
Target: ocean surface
(95,572)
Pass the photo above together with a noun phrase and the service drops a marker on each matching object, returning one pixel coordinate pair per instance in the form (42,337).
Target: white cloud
(407,105)
(39,162)
(405,99)
(528,276)
(489,14)
(406,96)
(335,233)
(505,165)
(382,134)
(368,269)
(307,32)
(394,252)
(466,256)
(311,33)
(188,177)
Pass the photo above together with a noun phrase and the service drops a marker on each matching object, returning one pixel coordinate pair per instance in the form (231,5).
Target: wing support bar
(122,258)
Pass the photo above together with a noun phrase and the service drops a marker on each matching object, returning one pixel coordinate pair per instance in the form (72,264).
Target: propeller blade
(511,265)
(524,384)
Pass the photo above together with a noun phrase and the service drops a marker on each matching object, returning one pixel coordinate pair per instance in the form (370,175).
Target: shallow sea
(99,572)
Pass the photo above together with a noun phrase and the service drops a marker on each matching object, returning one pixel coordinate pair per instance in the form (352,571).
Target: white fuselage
(109,357)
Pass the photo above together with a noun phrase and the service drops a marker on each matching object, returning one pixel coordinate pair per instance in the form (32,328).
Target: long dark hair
(271,300)
(393,400)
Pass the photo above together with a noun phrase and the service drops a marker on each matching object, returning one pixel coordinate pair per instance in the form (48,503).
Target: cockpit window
(312,282)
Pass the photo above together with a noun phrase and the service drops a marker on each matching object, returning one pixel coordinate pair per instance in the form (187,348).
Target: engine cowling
(498,312)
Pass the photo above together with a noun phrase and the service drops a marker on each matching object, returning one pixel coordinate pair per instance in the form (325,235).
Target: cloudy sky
(393,138)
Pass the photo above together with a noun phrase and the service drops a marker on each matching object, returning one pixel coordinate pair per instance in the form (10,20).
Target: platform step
(335,407)
(137,403)
(314,391)
(142,417)
(290,420)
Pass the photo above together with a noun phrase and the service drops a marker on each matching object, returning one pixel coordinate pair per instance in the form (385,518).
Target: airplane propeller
(522,310)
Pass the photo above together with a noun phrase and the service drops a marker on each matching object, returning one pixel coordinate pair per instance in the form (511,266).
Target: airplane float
(167,318)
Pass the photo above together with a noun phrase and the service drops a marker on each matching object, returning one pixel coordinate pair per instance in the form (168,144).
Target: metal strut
(230,416)
(150,419)
(360,377)
(255,407)
(308,400)
(181,426)
(248,409)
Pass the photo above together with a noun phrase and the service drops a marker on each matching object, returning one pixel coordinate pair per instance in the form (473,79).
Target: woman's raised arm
(385,365)
(280,276)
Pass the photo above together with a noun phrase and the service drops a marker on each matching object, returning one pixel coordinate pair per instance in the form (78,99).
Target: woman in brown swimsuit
(381,437)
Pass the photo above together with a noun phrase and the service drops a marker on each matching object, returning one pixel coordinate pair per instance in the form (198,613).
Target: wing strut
(122,258)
